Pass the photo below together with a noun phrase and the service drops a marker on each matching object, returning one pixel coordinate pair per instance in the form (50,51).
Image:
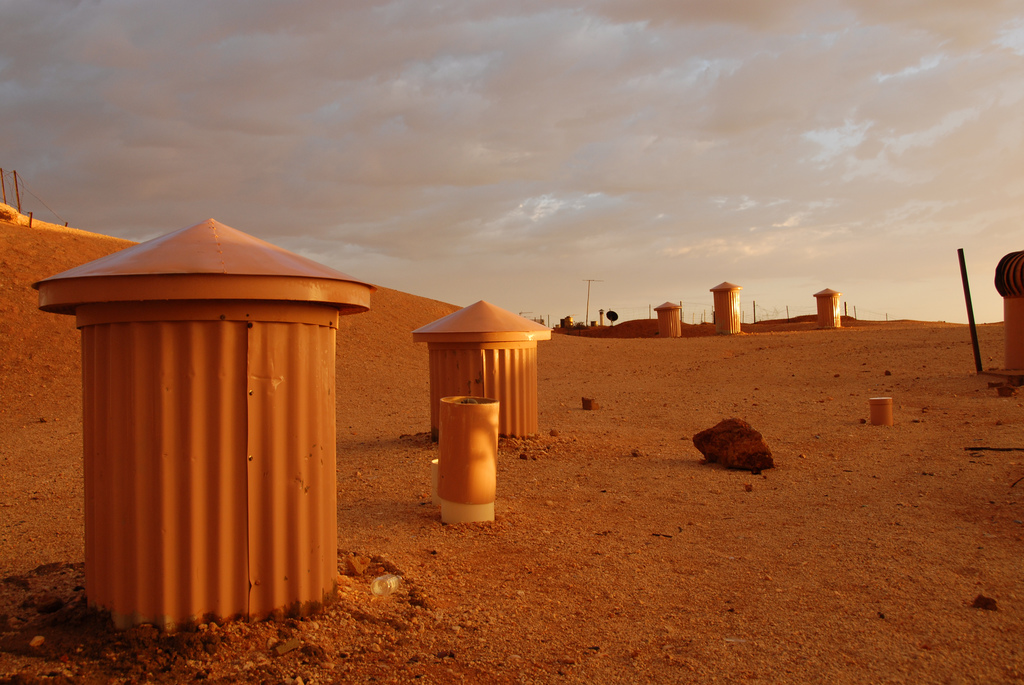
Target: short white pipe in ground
(467,464)
(434,497)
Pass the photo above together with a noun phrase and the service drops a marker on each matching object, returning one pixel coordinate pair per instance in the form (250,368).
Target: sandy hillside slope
(616,556)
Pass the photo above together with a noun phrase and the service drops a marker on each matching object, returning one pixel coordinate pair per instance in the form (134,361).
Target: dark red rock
(987,603)
(733,443)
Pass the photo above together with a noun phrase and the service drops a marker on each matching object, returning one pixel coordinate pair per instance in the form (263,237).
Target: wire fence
(14,190)
(704,312)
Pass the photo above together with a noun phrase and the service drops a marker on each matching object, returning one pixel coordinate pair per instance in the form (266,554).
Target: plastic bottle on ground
(385,585)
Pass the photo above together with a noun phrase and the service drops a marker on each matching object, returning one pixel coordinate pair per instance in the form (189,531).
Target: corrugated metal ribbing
(828,312)
(291,467)
(506,372)
(165,437)
(669,325)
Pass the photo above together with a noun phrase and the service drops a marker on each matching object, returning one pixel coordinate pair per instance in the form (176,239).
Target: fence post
(30,219)
(854,311)
(787,313)
(17,193)
(3,185)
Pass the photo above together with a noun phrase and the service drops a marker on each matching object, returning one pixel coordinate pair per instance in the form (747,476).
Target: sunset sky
(508,151)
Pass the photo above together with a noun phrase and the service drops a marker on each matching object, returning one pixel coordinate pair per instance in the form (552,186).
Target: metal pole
(3,185)
(970,311)
(586,317)
(17,194)
(755,310)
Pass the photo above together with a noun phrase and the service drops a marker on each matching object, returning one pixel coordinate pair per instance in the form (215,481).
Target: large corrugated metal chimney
(209,425)
(669,325)
(828,308)
(727,308)
(485,351)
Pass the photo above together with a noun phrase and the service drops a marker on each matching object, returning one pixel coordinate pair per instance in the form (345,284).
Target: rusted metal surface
(1010,275)
(828,308)
(727,308)
(669,324)
(1010,285)
(485,351)
(209,426)
(1013,331)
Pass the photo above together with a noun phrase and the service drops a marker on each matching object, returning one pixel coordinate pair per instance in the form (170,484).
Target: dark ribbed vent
(1010,275)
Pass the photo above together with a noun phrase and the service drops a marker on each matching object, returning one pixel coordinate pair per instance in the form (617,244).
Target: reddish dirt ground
(616,556)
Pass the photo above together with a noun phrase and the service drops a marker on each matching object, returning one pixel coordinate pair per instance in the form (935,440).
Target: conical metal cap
(203,262)
(481,322)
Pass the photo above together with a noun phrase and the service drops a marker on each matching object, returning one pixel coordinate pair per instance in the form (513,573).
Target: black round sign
(612,316)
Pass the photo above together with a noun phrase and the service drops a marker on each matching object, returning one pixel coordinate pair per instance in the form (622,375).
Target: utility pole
(586,318)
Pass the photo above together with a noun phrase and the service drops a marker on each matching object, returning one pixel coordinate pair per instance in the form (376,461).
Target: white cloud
(657,142)
(836,141)
(926,64)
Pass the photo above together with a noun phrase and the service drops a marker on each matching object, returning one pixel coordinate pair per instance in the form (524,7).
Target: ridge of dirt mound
(41,349)
(648,328)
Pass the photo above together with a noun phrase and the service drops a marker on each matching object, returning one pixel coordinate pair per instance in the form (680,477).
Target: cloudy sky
(509,151)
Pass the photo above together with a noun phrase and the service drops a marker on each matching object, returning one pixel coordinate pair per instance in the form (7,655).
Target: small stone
(553,433)
(888,373)
(48,604)
(356,565)
(983,602)
(749,487)
(1006,391)
(289,646)
(863,420)
(37,641)
(590,404)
